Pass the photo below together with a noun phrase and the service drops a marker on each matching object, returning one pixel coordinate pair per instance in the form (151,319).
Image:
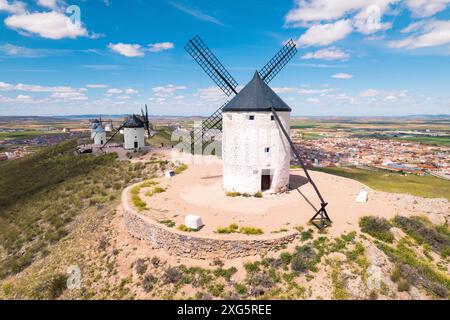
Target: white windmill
(256,145)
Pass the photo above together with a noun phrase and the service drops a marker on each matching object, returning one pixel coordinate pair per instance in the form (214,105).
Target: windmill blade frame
(278,62)
(211,65)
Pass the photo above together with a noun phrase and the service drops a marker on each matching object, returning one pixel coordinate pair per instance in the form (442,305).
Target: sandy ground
(198,190)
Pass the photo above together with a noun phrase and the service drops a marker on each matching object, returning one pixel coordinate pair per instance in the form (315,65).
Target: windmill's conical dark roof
(256,96)
(134,122)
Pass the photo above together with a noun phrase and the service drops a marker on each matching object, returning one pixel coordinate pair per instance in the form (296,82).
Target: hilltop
(61,209)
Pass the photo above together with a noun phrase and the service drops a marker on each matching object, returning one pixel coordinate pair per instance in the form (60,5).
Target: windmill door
(266,180)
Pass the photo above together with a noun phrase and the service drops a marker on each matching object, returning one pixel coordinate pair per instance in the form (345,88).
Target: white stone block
(193,222)
(169,174)
(362,197)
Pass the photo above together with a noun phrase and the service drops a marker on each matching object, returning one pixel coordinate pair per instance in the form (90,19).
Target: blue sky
(356,57)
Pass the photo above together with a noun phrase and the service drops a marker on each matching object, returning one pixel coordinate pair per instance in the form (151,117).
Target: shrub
(232,194)
(251,267)
(306,235)
(183,228)
(258,195)
(140,266)
(167,223)
(416,228)
(172,275)
(285,258)
(159,190)
(356,252)
(225,273)
(261,279)
(403,285)
(298,263)
(396,274)
(155,262)
(148,282)
(240,288)
(377,227)
(216,290)
(180,168)
(232,228)
(250,231)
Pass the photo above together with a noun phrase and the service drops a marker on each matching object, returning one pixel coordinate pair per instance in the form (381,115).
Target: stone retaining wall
(176,243)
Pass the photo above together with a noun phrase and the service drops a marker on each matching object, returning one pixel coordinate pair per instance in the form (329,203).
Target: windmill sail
(211,65)
(271,69)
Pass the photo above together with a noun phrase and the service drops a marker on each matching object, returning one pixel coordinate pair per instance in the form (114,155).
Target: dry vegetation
(59,210)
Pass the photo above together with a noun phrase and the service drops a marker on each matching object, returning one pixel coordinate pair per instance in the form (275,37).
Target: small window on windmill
(266,150)
(229,117)
(272,117)
(251,117)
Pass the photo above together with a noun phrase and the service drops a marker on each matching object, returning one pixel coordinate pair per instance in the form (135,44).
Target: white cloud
(429,34)
(426,8)
(14,7)
(369,93)
(343,76)
(325,34)
(326,10)
(36,88)
(74,96)
(312,100)
(131,91)
(50,25)
(22,97)
(127,50)
(210,94)
(331,53)
(97,86)
(299,90)
(51,4)
(161,46)
(5,86)
(167,91)
(114,91)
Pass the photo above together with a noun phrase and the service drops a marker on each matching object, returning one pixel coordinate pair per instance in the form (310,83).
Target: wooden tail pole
(321,218)
(118,130)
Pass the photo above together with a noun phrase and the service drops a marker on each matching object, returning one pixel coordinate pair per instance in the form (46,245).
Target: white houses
(133,133)
(99,136)
(255,153)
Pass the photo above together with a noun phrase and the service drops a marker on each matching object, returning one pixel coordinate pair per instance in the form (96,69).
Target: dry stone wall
(176,243)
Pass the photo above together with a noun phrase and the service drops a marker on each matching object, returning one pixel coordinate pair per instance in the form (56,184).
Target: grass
(245,195)
(377,227)
(421,269)
(234,228)
(155,190)
(184,228)
(136,199)
(180,168)
(422,186)
(434,141)
(24,134)
(423,234)
(338,290)
(167,223)
(43,193)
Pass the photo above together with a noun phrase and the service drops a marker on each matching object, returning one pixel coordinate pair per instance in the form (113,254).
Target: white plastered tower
(256,155)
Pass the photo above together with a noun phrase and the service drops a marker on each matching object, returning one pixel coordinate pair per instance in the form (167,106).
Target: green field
(435,141)
(23,134)
(422,186)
